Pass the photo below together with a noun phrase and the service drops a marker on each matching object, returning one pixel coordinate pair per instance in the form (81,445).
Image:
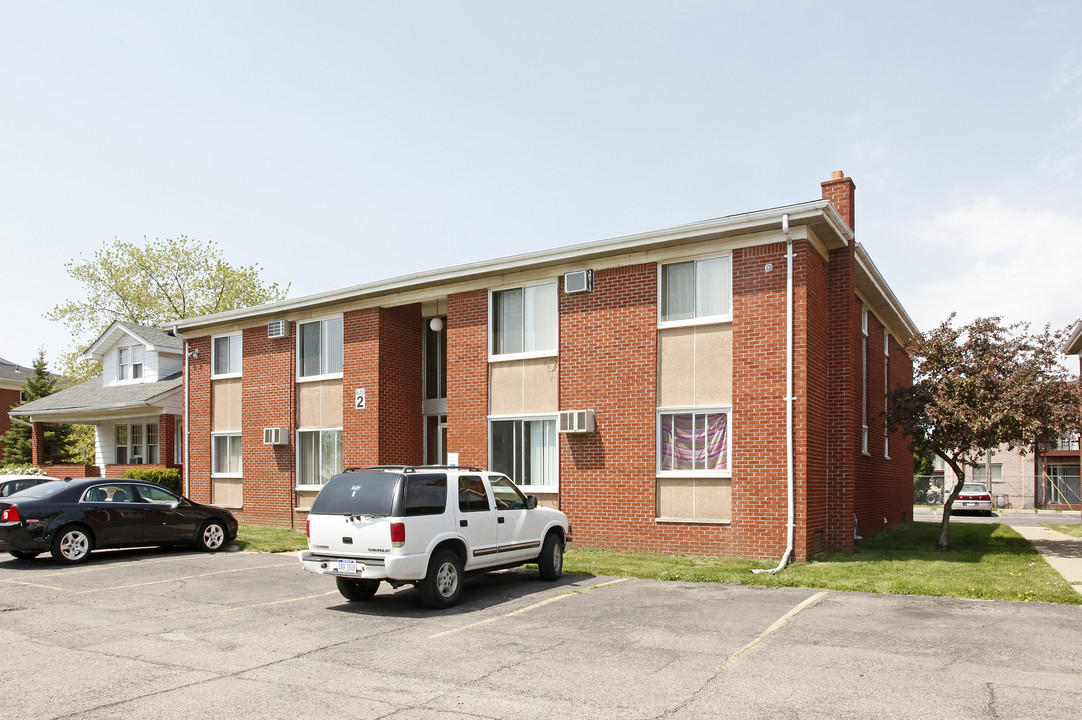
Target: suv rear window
(357,493)
(425,494)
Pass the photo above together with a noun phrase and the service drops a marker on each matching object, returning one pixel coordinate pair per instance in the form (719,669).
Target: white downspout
(187,409)
(791,527)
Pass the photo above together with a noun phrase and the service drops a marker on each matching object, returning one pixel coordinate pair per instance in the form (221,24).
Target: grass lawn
(1072,530)
(256,538)
(990,562)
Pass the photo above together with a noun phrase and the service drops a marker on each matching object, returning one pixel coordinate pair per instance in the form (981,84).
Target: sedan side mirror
(531,502)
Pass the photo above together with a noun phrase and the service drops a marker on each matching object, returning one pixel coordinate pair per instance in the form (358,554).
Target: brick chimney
(839,190)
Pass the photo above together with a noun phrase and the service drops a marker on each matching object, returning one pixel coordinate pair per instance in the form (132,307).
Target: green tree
(153,283)
(58,438)
(981,386)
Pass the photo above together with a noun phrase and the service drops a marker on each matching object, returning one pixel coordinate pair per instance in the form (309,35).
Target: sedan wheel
(212,538)
(72,545)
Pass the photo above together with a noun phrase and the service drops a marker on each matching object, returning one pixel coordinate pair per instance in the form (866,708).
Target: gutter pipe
(791,526)
(187,409)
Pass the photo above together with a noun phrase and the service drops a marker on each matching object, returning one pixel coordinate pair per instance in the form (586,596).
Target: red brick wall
(383,355)
(813,426)
(467,377)
(843,405)
(268,394)
(841,192)
(199,418)
(608,363)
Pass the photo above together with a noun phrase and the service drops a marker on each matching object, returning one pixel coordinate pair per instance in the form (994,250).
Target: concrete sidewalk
(1063,552)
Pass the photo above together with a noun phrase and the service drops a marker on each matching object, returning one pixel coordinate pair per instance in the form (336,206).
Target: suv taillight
(308,528)
(398,534)
(11,514)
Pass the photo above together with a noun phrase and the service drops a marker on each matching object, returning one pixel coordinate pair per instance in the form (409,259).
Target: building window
(435,359)
(226,456)
(697,290)
(136,444)
(320,348)
(129,363)
(227,355)
(319,456)
(694,442)
(524,320)
(524,449)
(121,438)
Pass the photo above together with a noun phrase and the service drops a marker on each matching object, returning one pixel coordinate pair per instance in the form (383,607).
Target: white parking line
(142,584)
(528,608)
(778,624)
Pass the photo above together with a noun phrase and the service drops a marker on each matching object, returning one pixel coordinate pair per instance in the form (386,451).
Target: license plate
(965,504)
(348,566)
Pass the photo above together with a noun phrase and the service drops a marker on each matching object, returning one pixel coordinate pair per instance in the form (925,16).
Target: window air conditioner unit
(276,329)
(275,436)
(576,421)
(578,282)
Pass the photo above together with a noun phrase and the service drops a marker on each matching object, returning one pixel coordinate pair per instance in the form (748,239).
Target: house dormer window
(129,363)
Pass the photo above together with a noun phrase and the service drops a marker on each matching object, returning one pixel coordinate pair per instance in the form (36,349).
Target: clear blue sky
(337,143)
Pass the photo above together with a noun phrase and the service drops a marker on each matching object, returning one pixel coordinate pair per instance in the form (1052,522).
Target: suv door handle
(463,523)
(500,519)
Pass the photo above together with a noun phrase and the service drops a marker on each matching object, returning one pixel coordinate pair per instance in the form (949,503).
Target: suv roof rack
(413,468)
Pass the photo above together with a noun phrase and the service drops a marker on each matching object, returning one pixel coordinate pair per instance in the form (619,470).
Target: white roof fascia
(108,339)
(1073,345)
(803,213)
(905,329)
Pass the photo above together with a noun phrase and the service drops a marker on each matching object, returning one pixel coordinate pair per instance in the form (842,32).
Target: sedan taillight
(10,514)
(398,534)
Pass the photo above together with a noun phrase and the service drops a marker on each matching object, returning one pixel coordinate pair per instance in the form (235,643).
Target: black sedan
(70,518)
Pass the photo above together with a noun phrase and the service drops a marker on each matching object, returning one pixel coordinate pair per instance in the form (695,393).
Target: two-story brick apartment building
(639,383)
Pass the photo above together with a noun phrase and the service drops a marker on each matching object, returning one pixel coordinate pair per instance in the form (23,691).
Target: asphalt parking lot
(152,634)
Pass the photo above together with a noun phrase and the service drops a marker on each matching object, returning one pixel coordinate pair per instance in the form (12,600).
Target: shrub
(168,478)
(21,470)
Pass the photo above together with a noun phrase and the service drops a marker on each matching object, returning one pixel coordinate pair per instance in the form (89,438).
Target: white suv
(426,526)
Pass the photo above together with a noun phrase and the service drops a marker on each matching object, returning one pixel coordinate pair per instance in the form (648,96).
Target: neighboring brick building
(12,379)
(664,353)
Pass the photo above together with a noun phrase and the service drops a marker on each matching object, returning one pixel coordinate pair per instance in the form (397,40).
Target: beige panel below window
(714,365)
(549,500)
(305,498)
(505,388)
(227,492)
(713,499)
(540,385)
(676,367)
(225,405)
(319,404)
(698,499)
(695,366)
(675,498)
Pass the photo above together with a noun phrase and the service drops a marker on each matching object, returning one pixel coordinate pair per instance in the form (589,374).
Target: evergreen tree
(58,438)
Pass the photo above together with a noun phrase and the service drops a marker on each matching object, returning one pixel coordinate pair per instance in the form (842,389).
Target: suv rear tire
(355,589)
(442,585)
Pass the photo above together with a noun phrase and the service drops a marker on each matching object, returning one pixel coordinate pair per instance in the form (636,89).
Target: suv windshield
(357,493)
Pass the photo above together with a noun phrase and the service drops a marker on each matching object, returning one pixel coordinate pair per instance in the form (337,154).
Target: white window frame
(546,352)
(130,363)
(699,318)
(236,347)
(123,364)
(142,432)
(341,452)
(300,360)
(553,487)
(214,455)
(697,410)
